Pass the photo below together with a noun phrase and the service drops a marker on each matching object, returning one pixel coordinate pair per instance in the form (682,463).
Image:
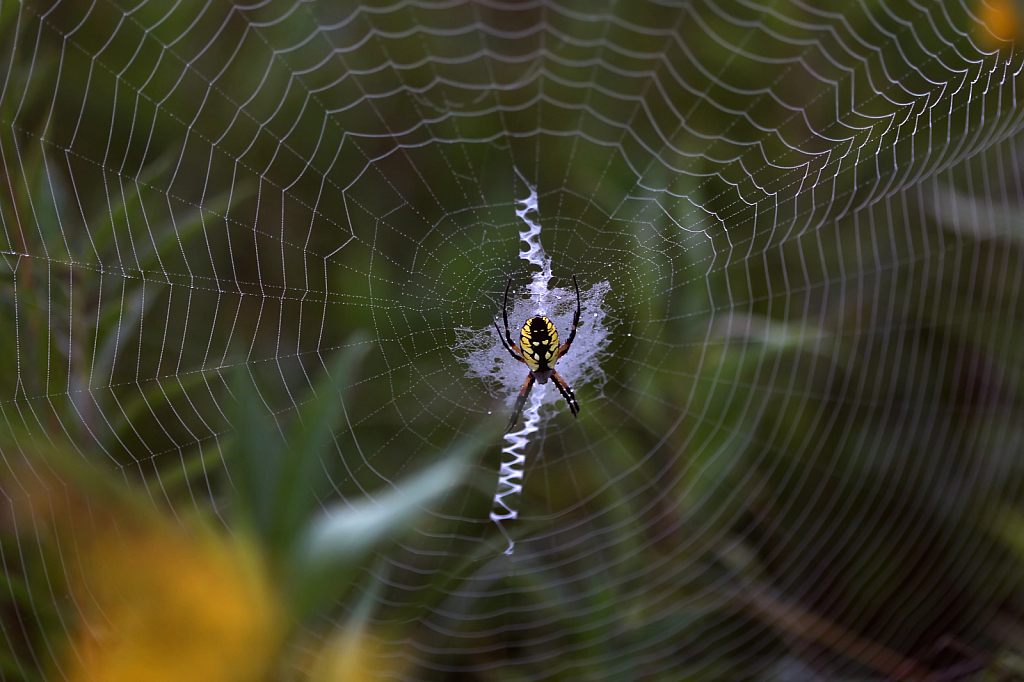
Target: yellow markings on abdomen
(539,341)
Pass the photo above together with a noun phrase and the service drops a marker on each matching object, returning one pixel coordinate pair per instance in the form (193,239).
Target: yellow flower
(999,22)
(158,603)
(351,655)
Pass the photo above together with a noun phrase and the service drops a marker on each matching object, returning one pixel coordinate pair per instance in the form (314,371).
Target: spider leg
(567,393)
(507,339)
(520,401)
(514,350)
(504,314)
(564,348)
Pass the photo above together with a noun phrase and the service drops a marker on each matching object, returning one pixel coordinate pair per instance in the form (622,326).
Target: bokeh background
(243,246)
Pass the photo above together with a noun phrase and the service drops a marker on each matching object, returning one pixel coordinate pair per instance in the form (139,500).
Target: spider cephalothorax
(538,348)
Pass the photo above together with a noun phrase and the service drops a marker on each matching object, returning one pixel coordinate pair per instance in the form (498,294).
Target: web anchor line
(510,476)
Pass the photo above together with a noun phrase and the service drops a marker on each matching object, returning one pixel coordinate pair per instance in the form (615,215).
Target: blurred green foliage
(314,554)
(233,294)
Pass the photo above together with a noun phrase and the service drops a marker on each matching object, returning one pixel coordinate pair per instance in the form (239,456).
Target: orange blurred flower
(158,604)
(351,654)
(999,23)
(155,599)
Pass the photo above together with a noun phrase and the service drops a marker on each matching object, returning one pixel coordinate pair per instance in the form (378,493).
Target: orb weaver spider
(539,338)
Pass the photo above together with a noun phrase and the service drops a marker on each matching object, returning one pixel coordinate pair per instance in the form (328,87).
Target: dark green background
(810,220)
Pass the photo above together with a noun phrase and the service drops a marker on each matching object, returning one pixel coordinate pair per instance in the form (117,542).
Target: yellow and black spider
(539,350)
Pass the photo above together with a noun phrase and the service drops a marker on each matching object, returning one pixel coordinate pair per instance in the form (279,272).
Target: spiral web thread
(510,476)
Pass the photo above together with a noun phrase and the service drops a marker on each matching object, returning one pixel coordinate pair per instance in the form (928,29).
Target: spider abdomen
(539,343)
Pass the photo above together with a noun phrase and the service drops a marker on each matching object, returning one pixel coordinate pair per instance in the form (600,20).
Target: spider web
(796,227)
